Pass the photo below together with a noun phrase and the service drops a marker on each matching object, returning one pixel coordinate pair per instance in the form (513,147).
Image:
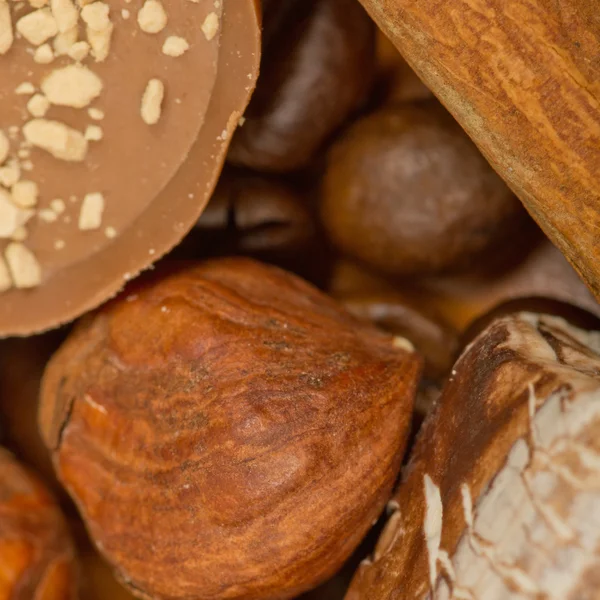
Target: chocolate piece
(501,497)
(318,63)
(136,187)
(407,192)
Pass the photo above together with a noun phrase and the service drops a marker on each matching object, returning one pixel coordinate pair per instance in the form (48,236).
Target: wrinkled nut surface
(407,192)
(37,559)
(523,80)
(501,498)
(212,426)
(318,62)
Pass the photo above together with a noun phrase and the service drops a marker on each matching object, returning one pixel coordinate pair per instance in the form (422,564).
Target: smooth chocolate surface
(154,168)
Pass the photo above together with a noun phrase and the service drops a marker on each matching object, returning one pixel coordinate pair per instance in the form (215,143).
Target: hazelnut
(407,192)
(318,60)
(501,496)
(37,559)
(227,431)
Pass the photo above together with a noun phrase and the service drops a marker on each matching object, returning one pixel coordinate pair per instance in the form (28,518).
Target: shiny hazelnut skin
(227,431)
(37,558)
(317,67)
(407,192)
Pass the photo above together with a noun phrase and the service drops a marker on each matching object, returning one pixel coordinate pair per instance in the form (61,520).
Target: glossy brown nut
(252,215)
(37,559)
(501,495)
(227,431)
(407,192)
(317,69)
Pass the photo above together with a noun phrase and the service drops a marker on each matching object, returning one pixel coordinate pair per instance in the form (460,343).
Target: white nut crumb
(210,26)
(23,266)
(58,206)
(152,101)
(79,51)
(110,232)
(96,16)
(75,86)
(100,42)
(25,193)
(59,244)
(125,14)
(23,153)
(63,41)
(6,30)
(4,147)
(38,105)
(92,208)
(403,344)
(43,55)
(93,133)
(56,138)
(96,114)
(175,46)
(11,216)
(27,165)
(5,278)
(37,27)
(152,17)
(38,3)
(10,174)
(47,215)
(65,14)
(24,89)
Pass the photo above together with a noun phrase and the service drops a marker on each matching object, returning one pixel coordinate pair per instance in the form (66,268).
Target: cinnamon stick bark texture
(501,498)
(523,79)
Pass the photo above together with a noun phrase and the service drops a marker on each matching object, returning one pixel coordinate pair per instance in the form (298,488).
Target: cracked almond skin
(37,558)
(501,498)
(227,431)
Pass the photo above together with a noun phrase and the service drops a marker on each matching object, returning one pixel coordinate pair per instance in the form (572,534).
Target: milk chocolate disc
(114,122)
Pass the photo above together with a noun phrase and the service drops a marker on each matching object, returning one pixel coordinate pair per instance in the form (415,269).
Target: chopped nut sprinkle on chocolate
(37,27)
(75,86)
(6,32)
(23,265)
(4,147)
(210,26)
(152,101)
(38,105)
(56,138)
(152,17)
(92,208)
(175,46)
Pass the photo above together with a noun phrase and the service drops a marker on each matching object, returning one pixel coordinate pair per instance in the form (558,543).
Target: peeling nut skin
(527,93)
(319,58)
(227,431)
(37,559)
(514,442)
(407,192)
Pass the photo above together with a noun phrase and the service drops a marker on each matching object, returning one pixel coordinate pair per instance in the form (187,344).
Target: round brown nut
(407,192)
(317,69)
(37,558)
(227,431)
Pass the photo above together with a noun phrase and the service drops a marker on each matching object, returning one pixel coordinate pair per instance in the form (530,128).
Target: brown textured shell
(227,431)
(523,79)
(37,559)
(501,498)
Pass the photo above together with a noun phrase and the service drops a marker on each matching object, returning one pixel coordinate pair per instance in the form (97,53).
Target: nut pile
(361,372)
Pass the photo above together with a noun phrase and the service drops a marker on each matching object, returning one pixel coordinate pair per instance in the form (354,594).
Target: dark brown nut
(398,314)
(501,497)
(253,215)
(318,62)
(227,431)
(37,559)
(407,192)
